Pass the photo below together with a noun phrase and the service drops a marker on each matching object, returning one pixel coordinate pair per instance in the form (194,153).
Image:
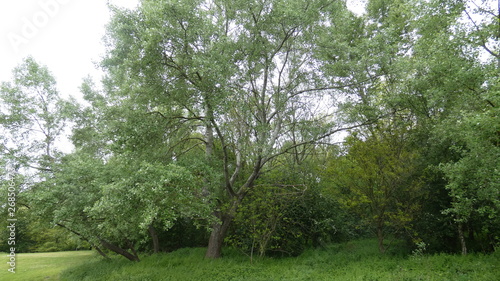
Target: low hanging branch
(84,239)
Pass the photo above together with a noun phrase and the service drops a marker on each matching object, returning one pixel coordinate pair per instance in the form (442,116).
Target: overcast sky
(64,35)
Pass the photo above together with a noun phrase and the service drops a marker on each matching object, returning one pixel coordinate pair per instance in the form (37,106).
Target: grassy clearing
(43,266)
(357,260)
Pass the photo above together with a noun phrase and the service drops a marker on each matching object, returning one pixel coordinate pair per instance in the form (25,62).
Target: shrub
(284,220)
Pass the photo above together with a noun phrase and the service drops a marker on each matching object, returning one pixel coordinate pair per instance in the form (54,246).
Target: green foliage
(218,110)
(287,211)
(377,179)
(245,72)
(424,64)
(32,117)
(119,199)
(184,233)
(474,179)
(152,192)
(284,220)
(36,235)
(458,102)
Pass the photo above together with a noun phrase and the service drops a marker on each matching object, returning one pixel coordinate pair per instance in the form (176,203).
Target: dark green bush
(285,220)
(183,234)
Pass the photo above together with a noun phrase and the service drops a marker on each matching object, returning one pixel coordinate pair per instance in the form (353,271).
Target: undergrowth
(357,260)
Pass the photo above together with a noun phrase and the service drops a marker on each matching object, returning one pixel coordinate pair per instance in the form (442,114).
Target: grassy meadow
(357,260)
(43,266)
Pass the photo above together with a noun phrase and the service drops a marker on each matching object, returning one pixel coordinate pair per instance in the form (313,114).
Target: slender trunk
(462,239)
(219,228)
(209,142)
(120,251)
(154,237)
(100,252)
(132,248)
(380,237)
(85,239)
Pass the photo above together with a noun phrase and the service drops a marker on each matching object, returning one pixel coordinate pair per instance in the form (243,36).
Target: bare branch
(319,138)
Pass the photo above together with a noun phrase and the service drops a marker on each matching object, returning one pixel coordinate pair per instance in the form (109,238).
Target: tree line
(270,126)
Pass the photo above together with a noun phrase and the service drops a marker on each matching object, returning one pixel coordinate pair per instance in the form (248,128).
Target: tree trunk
(100,252)
(154,237)
(209,142)
(119,251)
(219,231)
(462,239)
(85,239)
(132,248)
(380,237)
(220,228)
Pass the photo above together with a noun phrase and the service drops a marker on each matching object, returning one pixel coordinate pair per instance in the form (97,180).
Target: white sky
(64,35)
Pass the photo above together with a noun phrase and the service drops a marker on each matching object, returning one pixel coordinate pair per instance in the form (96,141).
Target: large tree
(454,95)
(245,74)
(444,74)
(122,182)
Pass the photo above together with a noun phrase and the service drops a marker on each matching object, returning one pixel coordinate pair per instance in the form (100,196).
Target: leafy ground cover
(358,260)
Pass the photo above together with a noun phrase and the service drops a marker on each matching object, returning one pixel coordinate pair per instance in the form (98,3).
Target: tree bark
(220,228)
(154,237)
(462,239)
(100,252)
(380,237)
(120,251)
(219,231)
(85,239)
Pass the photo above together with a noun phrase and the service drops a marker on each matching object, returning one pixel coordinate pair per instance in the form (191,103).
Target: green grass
(42,266)
(357,260)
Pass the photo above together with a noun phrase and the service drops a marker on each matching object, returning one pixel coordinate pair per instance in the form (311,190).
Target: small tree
(32,117)
(376,179)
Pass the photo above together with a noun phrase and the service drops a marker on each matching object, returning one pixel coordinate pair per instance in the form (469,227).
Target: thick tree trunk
(219,231)
(220,228)
(154,237)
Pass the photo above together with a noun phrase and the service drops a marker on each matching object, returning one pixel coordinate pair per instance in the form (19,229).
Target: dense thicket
(270,126)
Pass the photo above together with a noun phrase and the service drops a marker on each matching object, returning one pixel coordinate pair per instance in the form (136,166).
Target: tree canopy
(248,122)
